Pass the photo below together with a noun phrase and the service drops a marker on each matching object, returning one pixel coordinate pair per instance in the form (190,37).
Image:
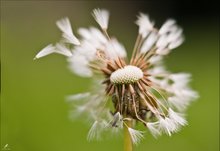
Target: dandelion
(139,90)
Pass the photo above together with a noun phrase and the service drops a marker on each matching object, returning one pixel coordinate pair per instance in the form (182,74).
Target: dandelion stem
(127,136)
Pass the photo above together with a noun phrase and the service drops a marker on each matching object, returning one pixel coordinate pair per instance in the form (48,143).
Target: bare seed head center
(126,75)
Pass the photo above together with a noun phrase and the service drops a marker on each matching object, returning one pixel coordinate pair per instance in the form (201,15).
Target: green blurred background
(34,114)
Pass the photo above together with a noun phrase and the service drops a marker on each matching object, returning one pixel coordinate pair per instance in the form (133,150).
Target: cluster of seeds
(126,75)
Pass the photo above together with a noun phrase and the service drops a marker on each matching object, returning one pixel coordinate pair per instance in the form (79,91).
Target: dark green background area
(34,114)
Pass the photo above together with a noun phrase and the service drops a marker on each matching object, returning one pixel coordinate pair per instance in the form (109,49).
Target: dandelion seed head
(139,89)
(126,75)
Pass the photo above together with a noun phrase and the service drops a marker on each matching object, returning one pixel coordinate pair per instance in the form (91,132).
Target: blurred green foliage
(34,115)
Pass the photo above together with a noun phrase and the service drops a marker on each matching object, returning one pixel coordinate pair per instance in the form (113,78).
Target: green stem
(127,137)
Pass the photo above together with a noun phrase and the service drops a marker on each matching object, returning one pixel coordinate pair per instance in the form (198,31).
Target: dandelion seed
(45,51)
(58,48)
(167,125)
(95,130)
(78,97)
(153,128)
(145,25)
(149,42)
(65,27)
(63,50)
(139,90)
(101,16)
(177,118)
(167,26)
(136,135)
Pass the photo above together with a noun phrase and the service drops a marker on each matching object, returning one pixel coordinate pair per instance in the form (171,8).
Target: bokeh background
(34,114)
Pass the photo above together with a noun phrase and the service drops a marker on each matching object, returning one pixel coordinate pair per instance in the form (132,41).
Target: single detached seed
(128,74)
